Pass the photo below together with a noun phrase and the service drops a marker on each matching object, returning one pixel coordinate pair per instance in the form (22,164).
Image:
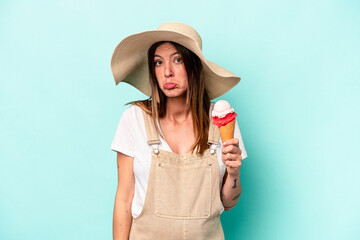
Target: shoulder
(132,111)
(131,115)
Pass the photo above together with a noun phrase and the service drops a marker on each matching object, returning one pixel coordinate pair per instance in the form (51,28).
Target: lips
(169,85)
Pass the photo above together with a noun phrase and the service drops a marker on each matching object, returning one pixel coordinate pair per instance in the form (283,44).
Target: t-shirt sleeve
(237,134)
(124,139)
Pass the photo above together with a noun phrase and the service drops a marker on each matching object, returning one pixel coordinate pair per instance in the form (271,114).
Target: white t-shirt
(130,139)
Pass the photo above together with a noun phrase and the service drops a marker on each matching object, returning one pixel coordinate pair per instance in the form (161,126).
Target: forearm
(231,190)
(122,220)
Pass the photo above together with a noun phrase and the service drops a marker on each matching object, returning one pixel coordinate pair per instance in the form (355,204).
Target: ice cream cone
(227,131)
(224,117)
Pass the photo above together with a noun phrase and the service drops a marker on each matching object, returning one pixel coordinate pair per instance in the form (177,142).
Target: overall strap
(151,134)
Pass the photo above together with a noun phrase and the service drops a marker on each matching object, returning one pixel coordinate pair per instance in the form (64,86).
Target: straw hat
(129,61)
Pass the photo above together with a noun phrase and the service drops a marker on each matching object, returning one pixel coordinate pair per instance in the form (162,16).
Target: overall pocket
(183,190)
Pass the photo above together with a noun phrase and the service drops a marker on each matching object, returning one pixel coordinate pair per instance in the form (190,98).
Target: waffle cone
(227,131)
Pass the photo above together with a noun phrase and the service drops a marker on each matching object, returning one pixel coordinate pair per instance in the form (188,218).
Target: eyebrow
(170,55)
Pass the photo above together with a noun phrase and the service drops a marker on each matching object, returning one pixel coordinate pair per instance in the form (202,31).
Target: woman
(171,184)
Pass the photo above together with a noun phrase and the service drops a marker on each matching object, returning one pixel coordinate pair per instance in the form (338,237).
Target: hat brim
(129,62)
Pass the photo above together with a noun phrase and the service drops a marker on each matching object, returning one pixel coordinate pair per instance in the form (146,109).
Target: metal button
(156,151)
(212,151)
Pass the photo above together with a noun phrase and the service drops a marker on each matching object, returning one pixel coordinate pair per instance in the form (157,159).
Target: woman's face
(170,71)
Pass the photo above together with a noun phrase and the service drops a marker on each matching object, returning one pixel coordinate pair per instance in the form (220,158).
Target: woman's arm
(122,217)
(231,189)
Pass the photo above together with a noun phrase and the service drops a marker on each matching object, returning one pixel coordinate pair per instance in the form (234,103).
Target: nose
(168,71)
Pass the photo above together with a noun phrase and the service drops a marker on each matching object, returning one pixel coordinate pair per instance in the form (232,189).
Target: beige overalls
(183,197)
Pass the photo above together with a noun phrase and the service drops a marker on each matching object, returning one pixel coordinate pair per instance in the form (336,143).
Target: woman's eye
(178,60)
(157,62)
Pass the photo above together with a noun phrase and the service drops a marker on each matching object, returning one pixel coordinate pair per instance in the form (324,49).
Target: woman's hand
(231,189)
(231,156)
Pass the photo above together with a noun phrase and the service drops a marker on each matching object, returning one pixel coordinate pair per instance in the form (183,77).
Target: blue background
(298,105)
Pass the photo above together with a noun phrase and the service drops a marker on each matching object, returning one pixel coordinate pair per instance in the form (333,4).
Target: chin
(174,94)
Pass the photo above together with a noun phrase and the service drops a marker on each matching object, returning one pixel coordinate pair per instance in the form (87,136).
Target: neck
(176,110)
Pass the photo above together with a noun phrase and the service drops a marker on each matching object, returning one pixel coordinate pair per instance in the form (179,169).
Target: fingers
(233,141)
(232,160)
(233,164)
(231,149)
(231,154)
(231,157)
